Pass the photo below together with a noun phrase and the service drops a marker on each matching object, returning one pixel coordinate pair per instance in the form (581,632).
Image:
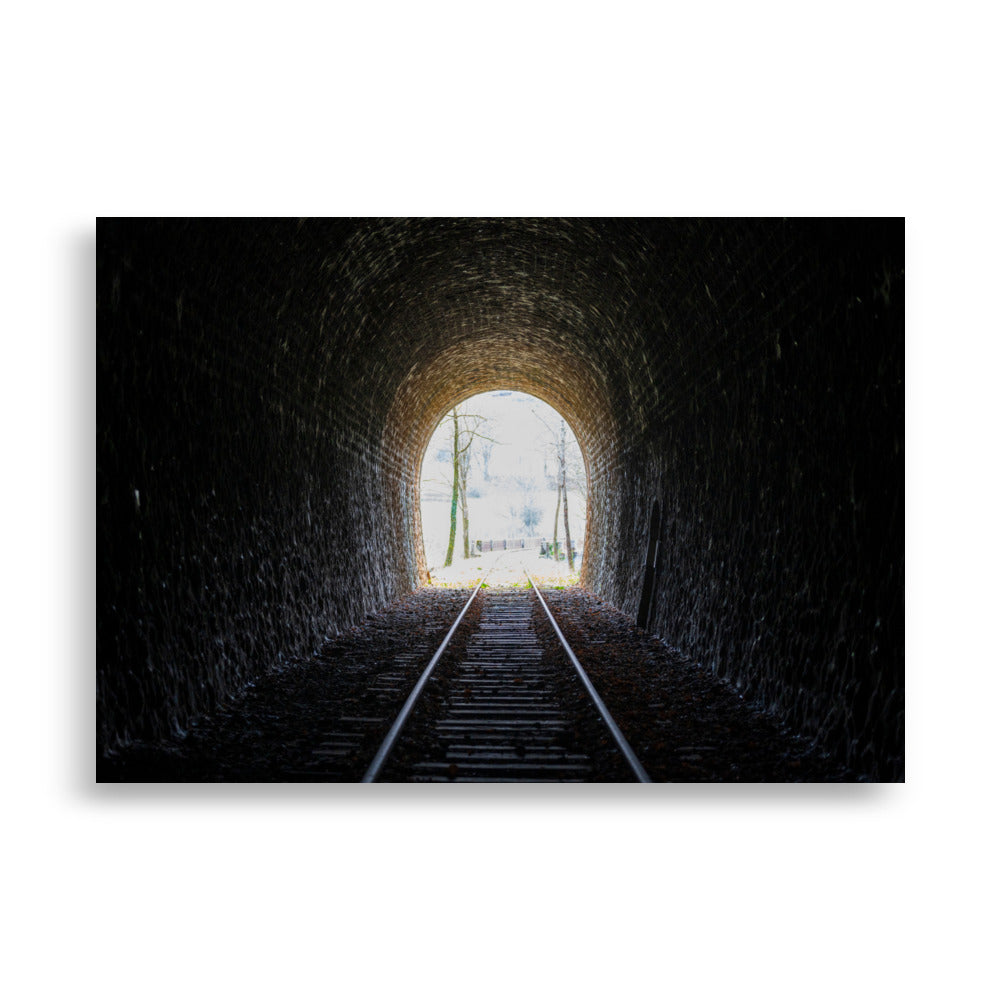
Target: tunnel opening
(503,483)
(502,357)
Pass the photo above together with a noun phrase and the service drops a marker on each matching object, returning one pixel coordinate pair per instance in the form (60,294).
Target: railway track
(508,702)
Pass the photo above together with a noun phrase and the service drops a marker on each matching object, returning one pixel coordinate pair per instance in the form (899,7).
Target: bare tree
(555,526)
(465,430)
(558,444)
(455,452)
(484,452)
(464,462)
(562,479)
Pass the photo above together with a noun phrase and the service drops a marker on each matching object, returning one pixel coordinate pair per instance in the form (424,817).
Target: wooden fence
(539,545)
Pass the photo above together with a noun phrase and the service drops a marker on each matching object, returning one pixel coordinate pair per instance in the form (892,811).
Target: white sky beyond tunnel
(511,481)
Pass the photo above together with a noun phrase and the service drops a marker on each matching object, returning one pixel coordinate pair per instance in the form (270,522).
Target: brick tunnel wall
(778,469)
(266,389)
(239,512)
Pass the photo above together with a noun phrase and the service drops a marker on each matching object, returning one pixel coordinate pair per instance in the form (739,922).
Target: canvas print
(451,500)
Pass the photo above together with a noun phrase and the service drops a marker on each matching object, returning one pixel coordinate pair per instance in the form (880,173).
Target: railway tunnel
(266,389)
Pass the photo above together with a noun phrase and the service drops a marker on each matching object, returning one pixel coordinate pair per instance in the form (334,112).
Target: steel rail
(404,713)
(623,744)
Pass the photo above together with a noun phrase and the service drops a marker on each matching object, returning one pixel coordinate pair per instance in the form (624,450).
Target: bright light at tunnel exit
(520,477)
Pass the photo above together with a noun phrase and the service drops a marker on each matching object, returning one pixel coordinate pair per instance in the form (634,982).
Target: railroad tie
(503,718)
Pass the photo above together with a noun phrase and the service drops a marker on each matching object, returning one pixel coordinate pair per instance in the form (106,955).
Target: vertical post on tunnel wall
(423,574)
(649,575)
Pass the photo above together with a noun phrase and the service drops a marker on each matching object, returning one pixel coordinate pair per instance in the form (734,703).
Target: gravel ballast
(323,718)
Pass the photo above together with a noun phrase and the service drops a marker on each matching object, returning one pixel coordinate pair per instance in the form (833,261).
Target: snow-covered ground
(504,568)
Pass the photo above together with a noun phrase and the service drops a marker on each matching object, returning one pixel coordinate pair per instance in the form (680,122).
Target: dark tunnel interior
(266,389)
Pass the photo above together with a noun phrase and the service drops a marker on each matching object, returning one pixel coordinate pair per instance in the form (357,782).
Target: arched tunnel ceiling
(458,307)
(550,305)
(502,361)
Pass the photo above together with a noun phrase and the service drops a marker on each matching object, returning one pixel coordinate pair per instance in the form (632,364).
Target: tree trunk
(555,527)
(569,542)
(463,497)
(454,490)
(565,495)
